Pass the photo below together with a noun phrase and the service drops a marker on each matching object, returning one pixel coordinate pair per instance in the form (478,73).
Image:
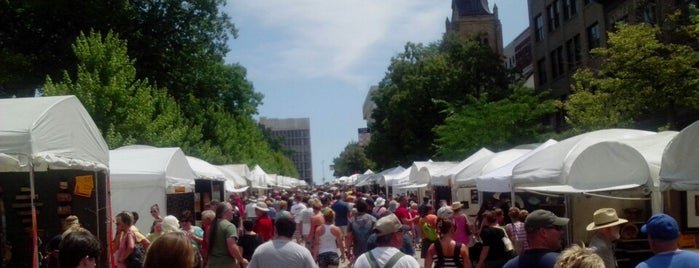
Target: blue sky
(318,58)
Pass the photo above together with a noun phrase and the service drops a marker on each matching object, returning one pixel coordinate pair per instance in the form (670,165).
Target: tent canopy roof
(54,132)
(679,169)
(607,163)
(500,179)
(158,167)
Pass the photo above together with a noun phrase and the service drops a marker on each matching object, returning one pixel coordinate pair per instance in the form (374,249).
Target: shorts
(343,230)
(326,259)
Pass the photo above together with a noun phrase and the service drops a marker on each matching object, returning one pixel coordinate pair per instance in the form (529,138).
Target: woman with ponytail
(223,239)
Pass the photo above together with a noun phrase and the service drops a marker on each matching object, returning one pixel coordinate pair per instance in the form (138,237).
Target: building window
(649,13)
(541,70)
(577,50)
(569,9)
(539,27)
(593,36)
(573,56)
(557,62)
(553,16)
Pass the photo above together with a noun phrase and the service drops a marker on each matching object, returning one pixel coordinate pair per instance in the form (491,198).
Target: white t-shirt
(296,210)
(382,255)
(250,210)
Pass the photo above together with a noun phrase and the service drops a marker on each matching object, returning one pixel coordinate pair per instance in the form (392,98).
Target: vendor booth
(679,178)
(612,168)
(145,176)
(53,163)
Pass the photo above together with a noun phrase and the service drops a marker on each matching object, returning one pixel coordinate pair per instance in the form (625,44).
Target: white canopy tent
(142,177)
(49,133)
(236,180)
(47,138)
(258,178)
(446,177)
(680,161)
(484,165)
(421,173)
(375,177)
(500,179)
(599,157)
(548,165)
(386,177)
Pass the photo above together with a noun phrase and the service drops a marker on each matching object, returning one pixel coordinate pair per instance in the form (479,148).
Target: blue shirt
(540,258)
(341,209)
(674,259)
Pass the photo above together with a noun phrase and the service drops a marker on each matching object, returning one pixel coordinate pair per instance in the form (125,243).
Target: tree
(420,83)
(352,160)
(640,79)
(127,110)
(497,125)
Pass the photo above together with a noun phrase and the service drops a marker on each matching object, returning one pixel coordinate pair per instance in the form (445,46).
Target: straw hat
(380,202)
(261,206)
(456,206)
(603,218)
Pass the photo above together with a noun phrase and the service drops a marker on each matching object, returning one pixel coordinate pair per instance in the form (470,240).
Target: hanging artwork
(84,185)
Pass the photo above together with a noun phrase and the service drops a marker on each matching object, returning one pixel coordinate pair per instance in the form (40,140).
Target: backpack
(429,231)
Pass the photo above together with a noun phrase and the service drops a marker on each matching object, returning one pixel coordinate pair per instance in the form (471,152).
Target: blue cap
(661,227)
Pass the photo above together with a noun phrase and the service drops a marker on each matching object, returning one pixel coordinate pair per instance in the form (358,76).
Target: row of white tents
(597,161)
(49,142)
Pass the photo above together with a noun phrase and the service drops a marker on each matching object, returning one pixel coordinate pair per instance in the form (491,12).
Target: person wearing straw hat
(264,225)
(605,223)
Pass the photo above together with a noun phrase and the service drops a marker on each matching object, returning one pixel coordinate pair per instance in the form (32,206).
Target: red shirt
(402,214)
(264,227)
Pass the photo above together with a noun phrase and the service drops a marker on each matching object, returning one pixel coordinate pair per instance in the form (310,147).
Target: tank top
(461,234)
(327,240)
(451,261)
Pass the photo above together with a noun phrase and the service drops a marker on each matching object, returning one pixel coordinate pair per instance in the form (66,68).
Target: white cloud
(335,39)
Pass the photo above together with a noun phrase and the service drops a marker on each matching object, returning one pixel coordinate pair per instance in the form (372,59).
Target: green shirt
(218,253)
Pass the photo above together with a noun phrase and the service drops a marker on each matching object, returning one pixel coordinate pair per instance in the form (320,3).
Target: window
(557,63)
(573,57)
(539,27)
(649,13)
(541,70)
(593,36)
(569,9)
(553,13)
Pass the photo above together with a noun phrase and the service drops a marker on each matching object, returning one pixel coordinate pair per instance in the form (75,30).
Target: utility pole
(322,164)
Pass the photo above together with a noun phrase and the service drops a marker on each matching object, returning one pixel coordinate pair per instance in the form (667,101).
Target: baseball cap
(661,227)
(387,225)
(541,218)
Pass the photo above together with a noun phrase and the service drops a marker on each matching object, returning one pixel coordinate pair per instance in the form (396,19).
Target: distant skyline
(318,58)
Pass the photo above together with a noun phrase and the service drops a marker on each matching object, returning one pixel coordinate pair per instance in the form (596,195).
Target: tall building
(518,57)
(296,135)
(472,18)
(364,134)
(564,31)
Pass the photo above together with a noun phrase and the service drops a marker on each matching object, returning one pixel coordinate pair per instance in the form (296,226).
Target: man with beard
(606,226)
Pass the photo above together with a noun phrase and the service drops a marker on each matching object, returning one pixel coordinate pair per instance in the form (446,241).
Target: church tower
(472,18)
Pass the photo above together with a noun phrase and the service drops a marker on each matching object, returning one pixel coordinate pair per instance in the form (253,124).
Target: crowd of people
(362,230)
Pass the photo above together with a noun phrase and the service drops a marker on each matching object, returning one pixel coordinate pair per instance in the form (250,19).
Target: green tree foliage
(420,83)
(127,110)
(497,125)
(351,160)
(639,78)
